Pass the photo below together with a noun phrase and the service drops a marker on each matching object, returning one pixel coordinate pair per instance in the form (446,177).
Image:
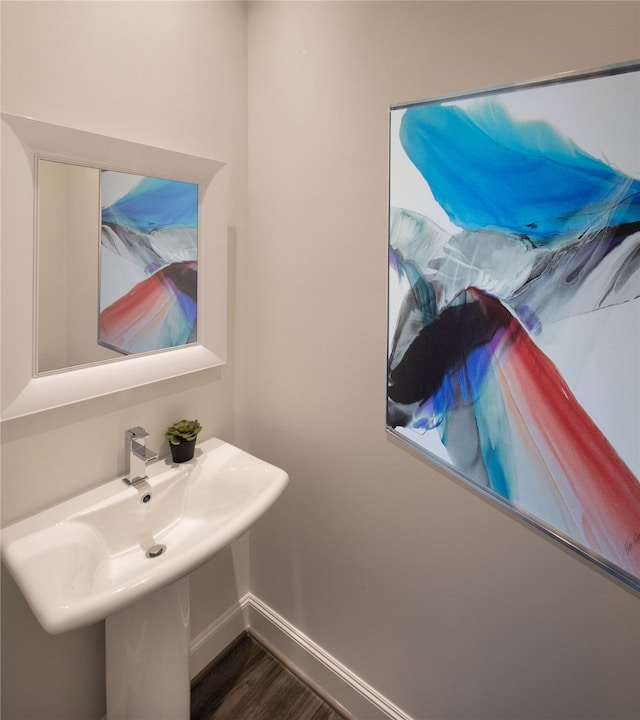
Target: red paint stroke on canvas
(144,308)
(587,468)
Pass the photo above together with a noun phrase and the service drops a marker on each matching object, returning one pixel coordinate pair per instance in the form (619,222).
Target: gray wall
(172,75)
(445,604)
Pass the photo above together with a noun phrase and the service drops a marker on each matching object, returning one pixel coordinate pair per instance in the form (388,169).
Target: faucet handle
(139,433)
(137,454)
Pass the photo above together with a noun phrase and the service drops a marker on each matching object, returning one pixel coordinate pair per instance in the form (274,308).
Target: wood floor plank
(248,683)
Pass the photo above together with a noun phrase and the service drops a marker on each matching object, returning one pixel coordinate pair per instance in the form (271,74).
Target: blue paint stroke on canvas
(519,177)
(155,203)
(148,266)
(548,243)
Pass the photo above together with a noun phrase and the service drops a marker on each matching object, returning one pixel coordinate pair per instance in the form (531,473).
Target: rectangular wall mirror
(113,265)
(117,262)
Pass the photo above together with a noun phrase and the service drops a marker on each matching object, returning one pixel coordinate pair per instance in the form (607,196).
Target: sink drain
(156,550)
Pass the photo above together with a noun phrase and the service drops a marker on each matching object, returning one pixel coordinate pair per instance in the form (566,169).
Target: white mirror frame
(23,141)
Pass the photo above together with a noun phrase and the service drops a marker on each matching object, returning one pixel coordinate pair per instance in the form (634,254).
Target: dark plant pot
(183,452)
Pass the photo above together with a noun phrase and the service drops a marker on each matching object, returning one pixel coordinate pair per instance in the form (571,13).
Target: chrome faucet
(137,454)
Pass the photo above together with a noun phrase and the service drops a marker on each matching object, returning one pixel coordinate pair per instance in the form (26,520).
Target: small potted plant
(182,439)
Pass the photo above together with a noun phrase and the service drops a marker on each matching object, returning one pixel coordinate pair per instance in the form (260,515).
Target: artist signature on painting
(629,545)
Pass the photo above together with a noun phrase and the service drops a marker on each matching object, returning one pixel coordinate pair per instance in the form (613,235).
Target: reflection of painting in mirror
(148,262)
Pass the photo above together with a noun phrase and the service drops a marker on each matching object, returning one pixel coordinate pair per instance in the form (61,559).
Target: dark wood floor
(248,683)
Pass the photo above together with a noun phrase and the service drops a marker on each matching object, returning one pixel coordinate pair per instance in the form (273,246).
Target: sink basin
(86,558)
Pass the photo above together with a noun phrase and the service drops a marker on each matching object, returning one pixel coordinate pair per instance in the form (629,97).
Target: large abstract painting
(513,300)
(148,262)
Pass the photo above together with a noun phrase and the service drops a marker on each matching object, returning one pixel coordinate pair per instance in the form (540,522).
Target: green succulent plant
(183,431)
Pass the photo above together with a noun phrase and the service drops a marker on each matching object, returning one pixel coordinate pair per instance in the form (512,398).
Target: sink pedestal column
(147,652)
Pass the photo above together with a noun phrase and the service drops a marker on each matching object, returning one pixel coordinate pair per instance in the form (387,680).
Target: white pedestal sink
(124,553)
(147,648)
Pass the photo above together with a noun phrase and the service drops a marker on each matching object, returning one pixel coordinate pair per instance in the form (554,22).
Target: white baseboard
(217,636)
(324,673)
